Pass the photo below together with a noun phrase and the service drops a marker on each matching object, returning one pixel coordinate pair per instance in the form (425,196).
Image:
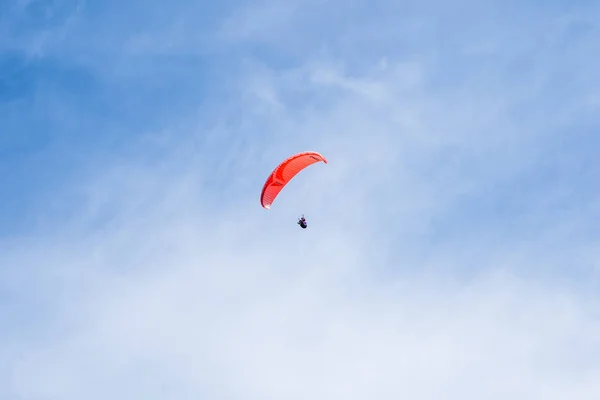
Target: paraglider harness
(302,222)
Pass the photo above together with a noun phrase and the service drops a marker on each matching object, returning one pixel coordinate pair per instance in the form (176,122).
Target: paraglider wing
(284,173)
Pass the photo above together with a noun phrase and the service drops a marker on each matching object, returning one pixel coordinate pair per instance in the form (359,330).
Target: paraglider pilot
(302,222)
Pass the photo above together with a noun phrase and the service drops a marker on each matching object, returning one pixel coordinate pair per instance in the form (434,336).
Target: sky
(452,248)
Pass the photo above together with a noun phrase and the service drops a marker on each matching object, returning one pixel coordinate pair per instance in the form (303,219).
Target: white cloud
(171,282)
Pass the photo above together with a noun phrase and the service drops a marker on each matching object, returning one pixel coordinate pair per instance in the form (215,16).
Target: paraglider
(302,222)
(283,174)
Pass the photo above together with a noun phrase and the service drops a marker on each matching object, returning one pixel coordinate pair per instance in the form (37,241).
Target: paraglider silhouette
(302,222)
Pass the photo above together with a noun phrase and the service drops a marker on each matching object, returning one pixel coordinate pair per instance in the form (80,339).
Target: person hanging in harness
(302,222)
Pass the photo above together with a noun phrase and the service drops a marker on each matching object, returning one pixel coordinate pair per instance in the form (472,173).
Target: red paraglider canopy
(284,173)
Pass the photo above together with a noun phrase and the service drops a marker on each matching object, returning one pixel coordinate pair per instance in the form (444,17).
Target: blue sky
(452,248)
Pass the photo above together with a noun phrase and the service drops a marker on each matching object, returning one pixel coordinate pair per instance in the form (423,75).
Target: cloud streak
(451,251)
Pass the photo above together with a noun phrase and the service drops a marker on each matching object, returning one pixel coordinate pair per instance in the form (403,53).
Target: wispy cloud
(451,251)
